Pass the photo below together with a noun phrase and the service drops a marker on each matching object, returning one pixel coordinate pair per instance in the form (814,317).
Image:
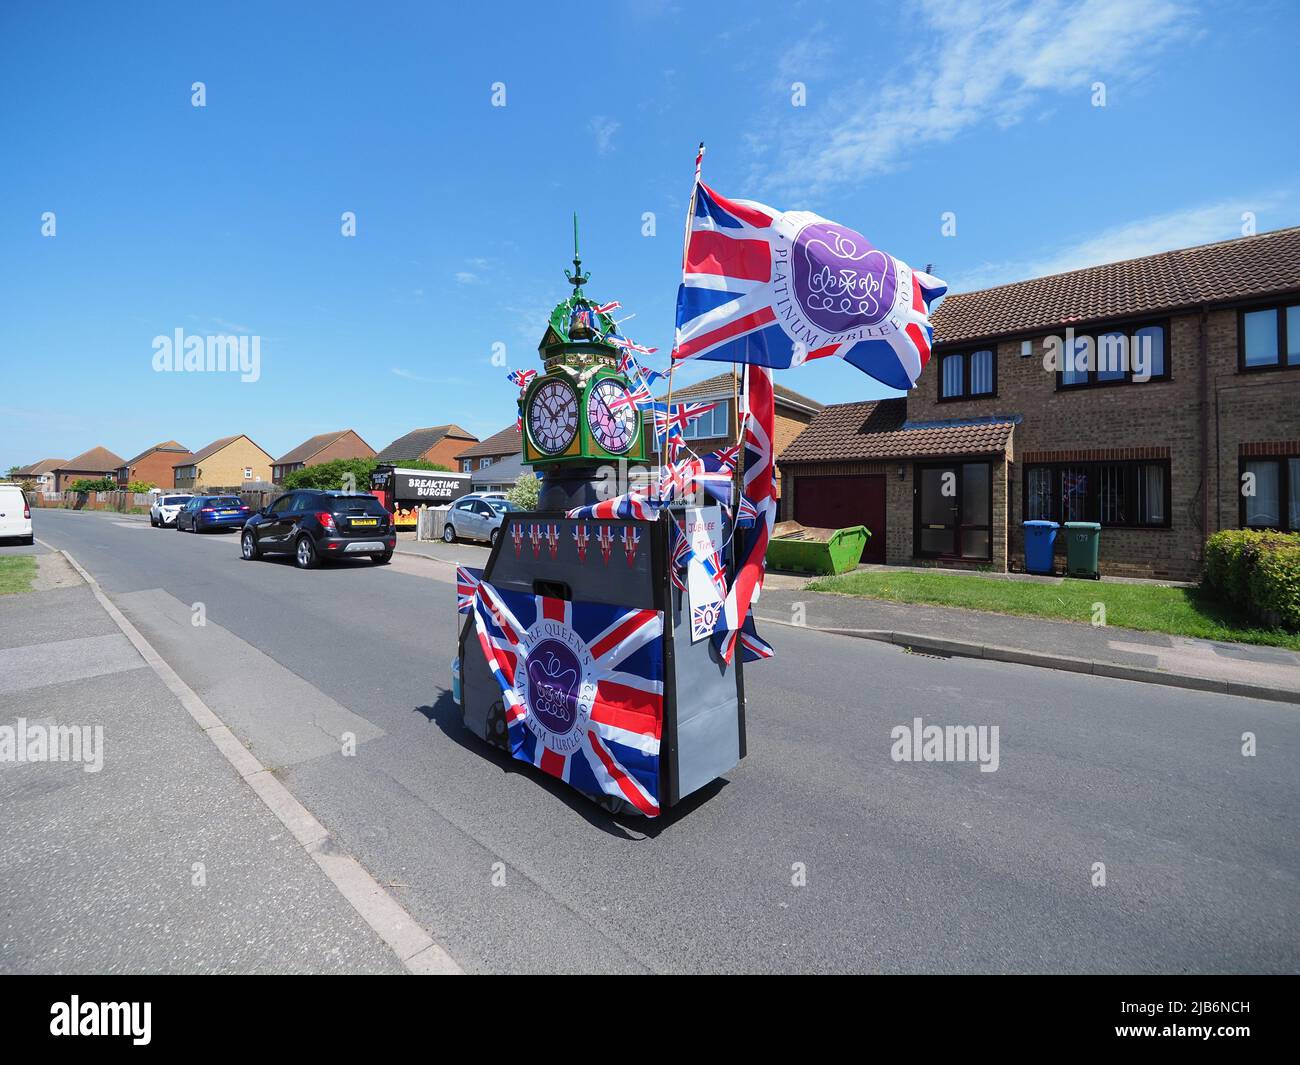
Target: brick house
(226,463)
(719,427)
(496,447)
(325,447)
(91,465)
(440,444)
(1188,386)
(41,474)
(156,465)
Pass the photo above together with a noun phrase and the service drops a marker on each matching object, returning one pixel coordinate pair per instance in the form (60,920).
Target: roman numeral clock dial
(553,417)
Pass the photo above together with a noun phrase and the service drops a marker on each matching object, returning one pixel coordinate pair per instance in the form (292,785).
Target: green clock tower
(578,413)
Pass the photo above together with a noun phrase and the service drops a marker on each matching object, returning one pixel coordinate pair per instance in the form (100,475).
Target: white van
(15,514)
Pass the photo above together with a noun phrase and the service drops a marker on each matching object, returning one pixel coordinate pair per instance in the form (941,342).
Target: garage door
(834,502)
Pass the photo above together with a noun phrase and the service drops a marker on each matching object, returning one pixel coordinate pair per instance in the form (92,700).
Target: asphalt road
(909,867)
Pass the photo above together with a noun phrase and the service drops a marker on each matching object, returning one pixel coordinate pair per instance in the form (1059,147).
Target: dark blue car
(203,513)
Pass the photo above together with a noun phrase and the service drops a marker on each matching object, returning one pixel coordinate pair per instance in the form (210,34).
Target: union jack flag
(682,414)
(629,347)
(636,397)
(630,505)
(467,582)
(605,537)
(631,540)
(682,554)
(717,571)
(521,377)
(552,538)
(779,288)
(583,689)
(581,537)
(535,538)
(517,535)
(605,308)
(746,513)
(752,646)
(760,489)
(647,375)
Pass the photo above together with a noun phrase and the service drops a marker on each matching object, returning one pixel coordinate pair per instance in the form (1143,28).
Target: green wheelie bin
(1082,541)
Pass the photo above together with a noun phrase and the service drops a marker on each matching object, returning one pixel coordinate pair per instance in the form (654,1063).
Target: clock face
(553,416)
(612,416)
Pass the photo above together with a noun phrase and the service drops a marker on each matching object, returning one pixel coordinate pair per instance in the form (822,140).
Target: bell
(580,323)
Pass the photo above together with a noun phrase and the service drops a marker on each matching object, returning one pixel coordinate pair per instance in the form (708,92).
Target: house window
(1269,337)
(1270,493)
(968,375)
(954,504)
(1129,355)
(713,424)
(1132,494)
(483,464)
(248,473)
(466,465)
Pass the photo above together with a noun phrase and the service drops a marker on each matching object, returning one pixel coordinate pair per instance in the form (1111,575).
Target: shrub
(525,492)
(86,484)
(1258,570)
(1274,585)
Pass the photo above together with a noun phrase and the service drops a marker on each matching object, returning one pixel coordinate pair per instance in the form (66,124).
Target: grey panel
(706,700)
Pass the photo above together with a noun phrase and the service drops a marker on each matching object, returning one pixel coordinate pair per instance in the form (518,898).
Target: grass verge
(17,573)
(1150,608)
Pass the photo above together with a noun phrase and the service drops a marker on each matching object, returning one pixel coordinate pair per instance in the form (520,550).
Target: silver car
(166,507)
(475,517)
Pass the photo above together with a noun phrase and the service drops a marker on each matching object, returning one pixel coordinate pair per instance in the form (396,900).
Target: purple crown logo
(841,281)
(553,686)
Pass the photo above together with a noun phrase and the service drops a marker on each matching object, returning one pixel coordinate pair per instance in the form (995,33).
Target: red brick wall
(1154,419)
(445,451)
(156,467)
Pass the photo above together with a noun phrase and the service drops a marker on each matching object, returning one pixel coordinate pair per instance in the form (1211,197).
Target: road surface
(820,853)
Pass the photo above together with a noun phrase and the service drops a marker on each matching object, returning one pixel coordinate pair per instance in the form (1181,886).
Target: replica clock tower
(579,414)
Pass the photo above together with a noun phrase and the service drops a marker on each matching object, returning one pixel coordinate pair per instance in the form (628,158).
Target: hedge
(1259,571)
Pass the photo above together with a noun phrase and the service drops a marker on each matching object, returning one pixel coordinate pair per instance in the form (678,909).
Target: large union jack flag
(583,689)
(779,288)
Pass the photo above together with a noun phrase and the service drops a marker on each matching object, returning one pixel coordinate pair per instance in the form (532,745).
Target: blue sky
(226,218)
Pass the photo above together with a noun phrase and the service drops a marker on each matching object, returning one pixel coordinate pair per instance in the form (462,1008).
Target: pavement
(160,859)
(1151,657)
(819,853)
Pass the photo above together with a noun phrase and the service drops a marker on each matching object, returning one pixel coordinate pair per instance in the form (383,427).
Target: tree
(140,487)
(526,492)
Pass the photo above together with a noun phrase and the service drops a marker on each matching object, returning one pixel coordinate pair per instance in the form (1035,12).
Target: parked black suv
(316,526)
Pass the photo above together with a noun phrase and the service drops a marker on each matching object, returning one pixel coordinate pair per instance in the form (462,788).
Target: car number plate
(365,521)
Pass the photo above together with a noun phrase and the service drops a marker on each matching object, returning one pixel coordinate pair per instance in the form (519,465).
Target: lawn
(1151,608)
(17,573)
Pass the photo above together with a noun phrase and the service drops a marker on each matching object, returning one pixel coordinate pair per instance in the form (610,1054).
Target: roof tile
(1188,277)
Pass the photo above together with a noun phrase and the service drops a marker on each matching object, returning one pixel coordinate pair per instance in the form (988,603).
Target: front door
(954,508)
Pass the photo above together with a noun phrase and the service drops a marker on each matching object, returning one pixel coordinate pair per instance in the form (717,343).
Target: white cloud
(980,65)
(604,129)
(465,277)
(1143,236)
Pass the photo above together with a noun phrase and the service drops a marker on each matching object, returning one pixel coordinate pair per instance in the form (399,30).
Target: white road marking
(384,914)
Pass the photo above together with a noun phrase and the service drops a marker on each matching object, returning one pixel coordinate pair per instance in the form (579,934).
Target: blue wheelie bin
(1040,539)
